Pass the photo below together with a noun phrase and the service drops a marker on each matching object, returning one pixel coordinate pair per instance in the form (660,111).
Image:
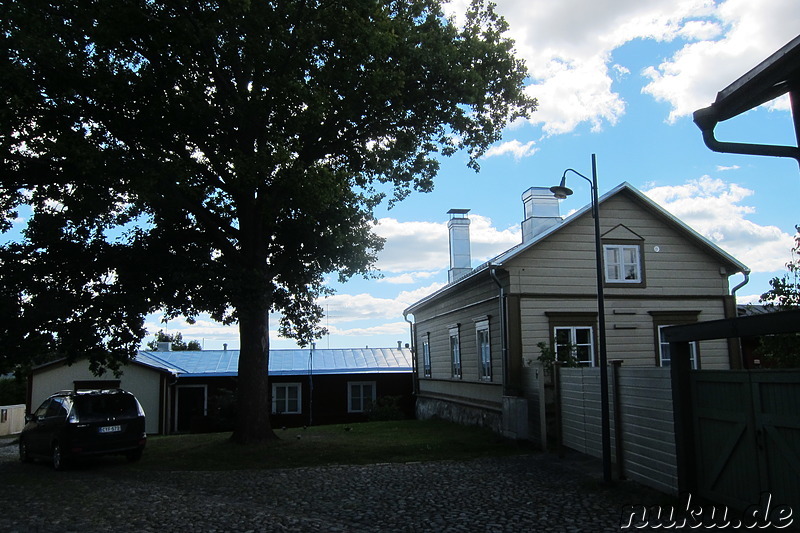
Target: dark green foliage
(548,357)
(176,339)
(221,156)
(386,408)
(12,391)
(783,351)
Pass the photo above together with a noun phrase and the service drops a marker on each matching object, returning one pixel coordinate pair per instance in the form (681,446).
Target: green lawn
(372,442)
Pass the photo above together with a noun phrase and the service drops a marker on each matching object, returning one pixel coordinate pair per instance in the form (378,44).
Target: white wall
(13,420)
(143,382)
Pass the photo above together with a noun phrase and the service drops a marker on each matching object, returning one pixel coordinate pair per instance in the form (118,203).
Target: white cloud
(211,335)
(515,148)
(400,329)
(423,246)
(721,168)
(568,47)
(714,209)
(691,78)
(407,277)
(342,308)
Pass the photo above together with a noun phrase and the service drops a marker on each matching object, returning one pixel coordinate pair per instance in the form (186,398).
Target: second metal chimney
(541,212)
(460,257)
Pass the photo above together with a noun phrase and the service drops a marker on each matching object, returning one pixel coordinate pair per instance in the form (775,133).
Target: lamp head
(561,191)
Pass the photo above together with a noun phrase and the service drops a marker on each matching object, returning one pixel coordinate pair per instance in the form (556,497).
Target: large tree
(222,156)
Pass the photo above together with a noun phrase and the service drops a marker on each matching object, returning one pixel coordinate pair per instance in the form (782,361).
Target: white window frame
(574,345)
(426,355)
(620,265)
(455,353)
(287,386)
(663,346)
(360,396)
(483,342)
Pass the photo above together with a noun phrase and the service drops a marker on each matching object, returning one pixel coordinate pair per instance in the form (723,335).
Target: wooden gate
(747,435)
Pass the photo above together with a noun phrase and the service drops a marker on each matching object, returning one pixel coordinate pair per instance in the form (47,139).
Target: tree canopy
(177,344)
(783,350)
(222,156)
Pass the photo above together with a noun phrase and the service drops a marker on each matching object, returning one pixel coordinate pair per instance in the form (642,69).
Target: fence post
(685,452)
(615,364)
(557,409)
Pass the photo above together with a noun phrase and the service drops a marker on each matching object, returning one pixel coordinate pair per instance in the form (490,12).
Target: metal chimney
(460,259)
(541,212)
(164,347)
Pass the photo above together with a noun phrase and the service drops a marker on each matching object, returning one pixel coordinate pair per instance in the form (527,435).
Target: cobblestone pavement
(538,492)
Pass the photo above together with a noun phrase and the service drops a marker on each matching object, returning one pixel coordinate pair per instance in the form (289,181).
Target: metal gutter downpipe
(414,380)
(706,120)
(503,332)
(746,274)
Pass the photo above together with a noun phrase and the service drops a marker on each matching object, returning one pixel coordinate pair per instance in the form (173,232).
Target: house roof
(508,255)
(220,363)
(773,77)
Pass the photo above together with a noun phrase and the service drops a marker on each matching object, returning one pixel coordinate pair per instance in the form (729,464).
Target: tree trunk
(254,397)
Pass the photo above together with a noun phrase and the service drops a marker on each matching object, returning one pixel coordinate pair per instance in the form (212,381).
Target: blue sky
(618,78)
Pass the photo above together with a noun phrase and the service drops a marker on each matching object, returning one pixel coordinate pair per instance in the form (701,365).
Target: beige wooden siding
(565,261)
(630,337)
(434,323)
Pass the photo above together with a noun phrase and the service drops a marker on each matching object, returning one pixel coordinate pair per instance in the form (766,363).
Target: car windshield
(103,406)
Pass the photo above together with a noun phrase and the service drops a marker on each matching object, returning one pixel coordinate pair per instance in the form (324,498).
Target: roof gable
(620,232)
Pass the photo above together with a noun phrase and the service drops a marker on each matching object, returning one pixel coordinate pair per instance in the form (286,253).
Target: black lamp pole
(562,192)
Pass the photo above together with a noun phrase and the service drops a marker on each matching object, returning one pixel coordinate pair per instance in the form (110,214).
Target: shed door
(191,406)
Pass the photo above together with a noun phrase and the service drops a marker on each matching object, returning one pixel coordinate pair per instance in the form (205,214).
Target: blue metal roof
(217,363)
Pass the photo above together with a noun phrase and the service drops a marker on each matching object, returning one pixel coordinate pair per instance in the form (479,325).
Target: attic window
(623,263)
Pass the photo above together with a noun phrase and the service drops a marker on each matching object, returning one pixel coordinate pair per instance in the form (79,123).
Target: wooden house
(478,339)
(194,391)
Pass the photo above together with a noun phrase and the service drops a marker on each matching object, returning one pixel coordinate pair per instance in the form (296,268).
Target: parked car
(72,424)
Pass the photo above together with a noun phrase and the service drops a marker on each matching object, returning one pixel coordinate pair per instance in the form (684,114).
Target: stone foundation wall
(460,413)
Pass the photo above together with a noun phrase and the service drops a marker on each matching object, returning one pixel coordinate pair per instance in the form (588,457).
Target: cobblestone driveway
(537,492)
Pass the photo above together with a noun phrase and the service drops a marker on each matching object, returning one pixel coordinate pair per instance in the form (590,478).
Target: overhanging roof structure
(775,76)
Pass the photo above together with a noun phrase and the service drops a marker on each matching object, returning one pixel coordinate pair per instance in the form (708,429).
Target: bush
(12,391)
(386,408)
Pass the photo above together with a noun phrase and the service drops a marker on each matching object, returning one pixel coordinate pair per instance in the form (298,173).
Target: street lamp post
(562,191)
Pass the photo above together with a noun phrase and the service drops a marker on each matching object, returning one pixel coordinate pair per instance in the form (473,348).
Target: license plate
(110,429)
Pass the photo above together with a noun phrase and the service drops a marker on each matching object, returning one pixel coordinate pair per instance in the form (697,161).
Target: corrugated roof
(216,363)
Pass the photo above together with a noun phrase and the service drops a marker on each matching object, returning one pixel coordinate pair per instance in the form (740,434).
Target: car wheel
(58,457)
(24,456)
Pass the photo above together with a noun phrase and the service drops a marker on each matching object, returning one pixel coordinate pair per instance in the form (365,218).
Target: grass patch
(371,442)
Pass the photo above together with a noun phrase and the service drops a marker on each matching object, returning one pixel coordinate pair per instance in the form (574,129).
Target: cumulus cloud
(753,30)
(418,247)
(343,308)
(515,148)
(568,47)
(400,329)
(715,209)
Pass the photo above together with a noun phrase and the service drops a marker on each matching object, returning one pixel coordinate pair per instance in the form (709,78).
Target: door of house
(191,405)
(747,436)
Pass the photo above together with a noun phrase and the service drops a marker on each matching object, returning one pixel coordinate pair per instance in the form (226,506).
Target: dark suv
(72,424)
